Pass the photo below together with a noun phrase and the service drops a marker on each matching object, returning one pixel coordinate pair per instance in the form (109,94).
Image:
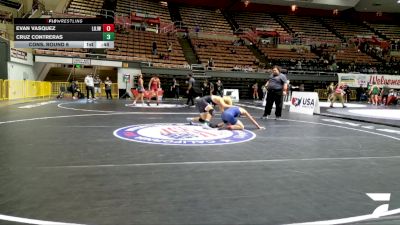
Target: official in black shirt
(276,88)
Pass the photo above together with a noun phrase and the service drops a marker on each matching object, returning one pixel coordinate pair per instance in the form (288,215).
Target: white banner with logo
(81,61)
(234,93)
(305,103)
(357,79)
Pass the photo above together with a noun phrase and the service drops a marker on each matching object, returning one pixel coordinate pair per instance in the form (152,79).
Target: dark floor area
(62,162)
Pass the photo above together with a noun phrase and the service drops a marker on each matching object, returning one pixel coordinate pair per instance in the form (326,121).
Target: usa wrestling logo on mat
(181,134)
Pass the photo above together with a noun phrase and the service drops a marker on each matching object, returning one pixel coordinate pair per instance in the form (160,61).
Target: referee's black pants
(277,97)
(190,96)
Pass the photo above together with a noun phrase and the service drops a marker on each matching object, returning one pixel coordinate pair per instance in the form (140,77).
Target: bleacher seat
(221,53)
(137,46)
(207,20)
(309,28)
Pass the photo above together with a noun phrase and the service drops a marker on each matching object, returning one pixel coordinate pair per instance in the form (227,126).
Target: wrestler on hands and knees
(206,105)
(230,118)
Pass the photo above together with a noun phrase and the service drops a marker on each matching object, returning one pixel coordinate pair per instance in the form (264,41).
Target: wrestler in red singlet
(154,86)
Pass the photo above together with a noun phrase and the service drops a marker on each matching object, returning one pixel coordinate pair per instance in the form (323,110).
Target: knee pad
(201,120)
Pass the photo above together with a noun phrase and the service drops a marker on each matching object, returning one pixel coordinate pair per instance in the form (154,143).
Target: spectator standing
(211,85)
(385,94)
(289,93)
(154,48)
(347,93)
(107,85)
(97,89)
(190,91)
(219,88)
(255,91)
(175,88)
(359,92)
(264,91)
(205,89)
(89,86)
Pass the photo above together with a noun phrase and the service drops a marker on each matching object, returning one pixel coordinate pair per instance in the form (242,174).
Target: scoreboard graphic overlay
(64,33)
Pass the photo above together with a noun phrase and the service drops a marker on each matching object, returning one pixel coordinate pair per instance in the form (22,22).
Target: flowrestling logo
(181,134)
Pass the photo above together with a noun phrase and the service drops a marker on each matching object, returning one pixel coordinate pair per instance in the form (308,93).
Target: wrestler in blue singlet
(230,115)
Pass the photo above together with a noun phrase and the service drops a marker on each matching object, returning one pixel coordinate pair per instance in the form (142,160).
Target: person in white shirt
(89,86)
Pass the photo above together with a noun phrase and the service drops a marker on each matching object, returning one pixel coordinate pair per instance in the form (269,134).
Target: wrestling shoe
(189,120)
(206,126)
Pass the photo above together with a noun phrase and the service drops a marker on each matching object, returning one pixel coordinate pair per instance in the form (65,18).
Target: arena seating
(207,20)
(83,8)
(248,20)
(275,53)
(309,28)
(221,53)
(391,31)
(142,6)
(134,45)
(125,7)
(11,4)
(347,29)
(349,55)
(137,45)
(69,52)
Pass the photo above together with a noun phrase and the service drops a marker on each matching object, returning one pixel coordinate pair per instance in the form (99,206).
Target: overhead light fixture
(398,1)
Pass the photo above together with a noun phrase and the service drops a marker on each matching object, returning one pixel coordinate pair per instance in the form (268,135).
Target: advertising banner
(305,103)
(357,79)
(234,93)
